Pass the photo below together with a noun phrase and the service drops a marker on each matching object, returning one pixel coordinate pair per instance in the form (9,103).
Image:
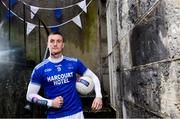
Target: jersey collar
(56,60)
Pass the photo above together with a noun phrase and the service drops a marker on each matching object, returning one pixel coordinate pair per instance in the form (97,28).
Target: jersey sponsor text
(60,79)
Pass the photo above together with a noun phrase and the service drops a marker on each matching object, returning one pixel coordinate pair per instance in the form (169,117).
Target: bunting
(83,6)
(1,23)
(12,2)
(58,14)
(77,20)
(54,29)
(34,11)
(46,8)
(29,28)
(8,15)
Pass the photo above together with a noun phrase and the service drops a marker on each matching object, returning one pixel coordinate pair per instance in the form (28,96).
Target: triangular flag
(55,29)
(83,5)
(34,10)
(29,28)
(58,13)
(9,15)
(12,2)
(1,23)
(77,21)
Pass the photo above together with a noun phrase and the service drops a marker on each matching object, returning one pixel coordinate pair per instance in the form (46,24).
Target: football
(84,85)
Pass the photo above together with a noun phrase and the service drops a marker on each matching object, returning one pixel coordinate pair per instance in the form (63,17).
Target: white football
(84,85)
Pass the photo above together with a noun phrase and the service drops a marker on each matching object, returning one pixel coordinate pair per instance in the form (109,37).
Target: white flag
(29,28)
(77,20)
(34,10)
(1,23)
(83,5)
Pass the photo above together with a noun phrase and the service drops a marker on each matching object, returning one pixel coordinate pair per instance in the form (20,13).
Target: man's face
(55,44)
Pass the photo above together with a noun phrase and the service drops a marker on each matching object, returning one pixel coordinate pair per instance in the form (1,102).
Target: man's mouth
(55,53)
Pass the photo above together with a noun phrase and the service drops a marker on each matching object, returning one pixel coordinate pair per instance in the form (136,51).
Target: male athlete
(57,76)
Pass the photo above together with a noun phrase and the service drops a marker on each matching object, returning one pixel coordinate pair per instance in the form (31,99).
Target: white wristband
(49,104)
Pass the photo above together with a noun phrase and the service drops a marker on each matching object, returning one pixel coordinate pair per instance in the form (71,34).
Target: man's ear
(63,45)
(47,45)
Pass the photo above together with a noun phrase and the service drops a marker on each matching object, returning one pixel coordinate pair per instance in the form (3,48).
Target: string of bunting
(81,4)
(48,8)
(31,26)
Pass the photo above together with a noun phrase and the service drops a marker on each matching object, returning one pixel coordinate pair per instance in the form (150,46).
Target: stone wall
(148,39)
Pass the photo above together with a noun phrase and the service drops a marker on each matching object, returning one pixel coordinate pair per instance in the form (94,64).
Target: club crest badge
(59,68)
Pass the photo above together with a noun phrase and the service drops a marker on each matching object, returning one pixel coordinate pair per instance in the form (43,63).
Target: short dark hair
(57,33)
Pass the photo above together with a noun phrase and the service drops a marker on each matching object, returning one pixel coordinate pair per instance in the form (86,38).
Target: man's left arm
(97,103)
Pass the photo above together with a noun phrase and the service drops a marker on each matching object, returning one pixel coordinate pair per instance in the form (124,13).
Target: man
(57,76)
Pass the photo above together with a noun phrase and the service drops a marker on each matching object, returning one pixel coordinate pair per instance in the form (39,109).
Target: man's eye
(59,41)
(51,41)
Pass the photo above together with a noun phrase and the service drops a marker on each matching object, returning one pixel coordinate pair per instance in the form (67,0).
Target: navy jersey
(59,79)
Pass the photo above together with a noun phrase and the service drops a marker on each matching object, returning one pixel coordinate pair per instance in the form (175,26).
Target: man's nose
(55,43)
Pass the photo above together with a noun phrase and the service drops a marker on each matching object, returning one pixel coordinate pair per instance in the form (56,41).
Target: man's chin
(55,53)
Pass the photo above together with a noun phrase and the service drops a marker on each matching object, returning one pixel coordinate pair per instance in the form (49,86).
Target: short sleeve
(81,68)
(36,76)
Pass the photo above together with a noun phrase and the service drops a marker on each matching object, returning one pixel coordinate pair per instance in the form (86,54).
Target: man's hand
(58,102)
(97,104)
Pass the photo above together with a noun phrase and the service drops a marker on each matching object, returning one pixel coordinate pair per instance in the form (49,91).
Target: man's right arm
(32,96)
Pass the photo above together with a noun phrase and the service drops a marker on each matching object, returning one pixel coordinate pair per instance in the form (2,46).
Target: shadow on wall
(146,45)
(142,83)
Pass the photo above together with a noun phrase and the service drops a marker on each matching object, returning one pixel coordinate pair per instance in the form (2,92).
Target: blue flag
(54,29)
(58,13)
(12,2)
(8,15)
